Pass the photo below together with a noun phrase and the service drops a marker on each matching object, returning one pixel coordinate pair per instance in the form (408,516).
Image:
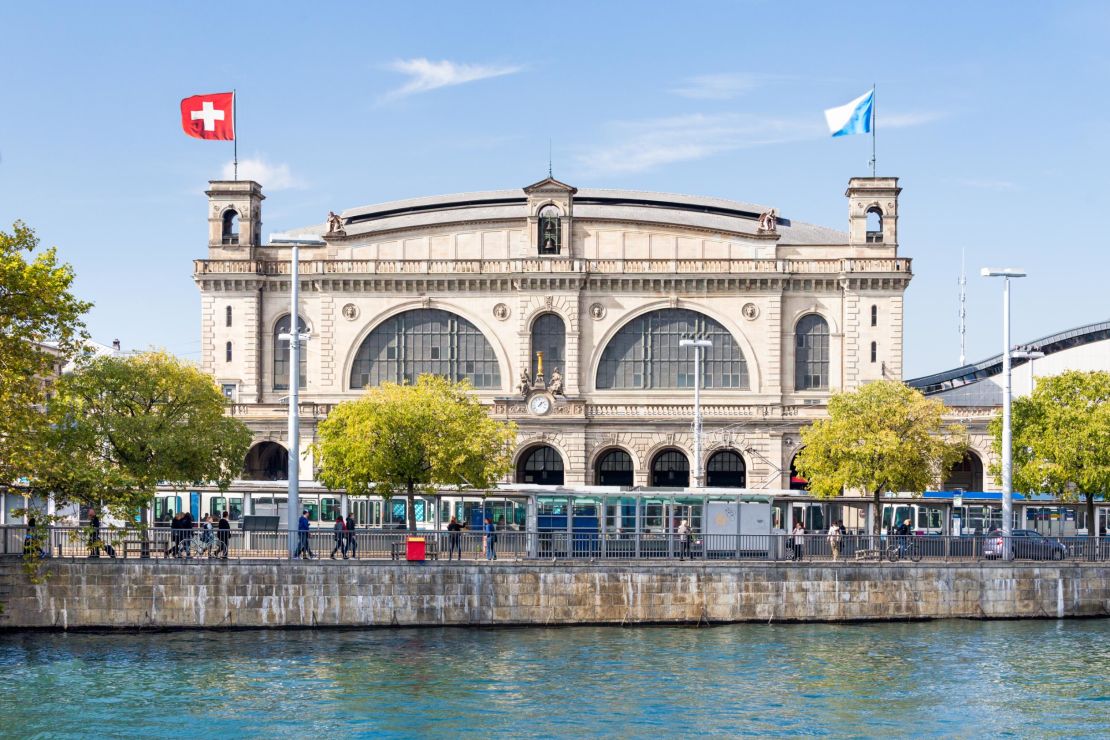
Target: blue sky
(994,114)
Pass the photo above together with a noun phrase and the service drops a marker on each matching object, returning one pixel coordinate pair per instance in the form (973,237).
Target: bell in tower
(234,218)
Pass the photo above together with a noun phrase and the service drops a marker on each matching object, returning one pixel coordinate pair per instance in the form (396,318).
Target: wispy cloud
(271,176)
(1002,186)
(641,145)
(908,118)
(720,86)
(425,75)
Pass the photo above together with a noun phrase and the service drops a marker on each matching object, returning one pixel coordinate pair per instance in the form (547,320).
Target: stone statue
(335,223)
(556,385)
(768,220)
(525,383)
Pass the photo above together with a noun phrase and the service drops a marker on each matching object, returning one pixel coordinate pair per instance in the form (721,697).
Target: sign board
(957,500)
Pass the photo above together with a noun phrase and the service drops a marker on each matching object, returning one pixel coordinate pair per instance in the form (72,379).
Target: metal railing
(375,544)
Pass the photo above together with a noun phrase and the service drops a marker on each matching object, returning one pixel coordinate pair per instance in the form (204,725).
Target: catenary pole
(294,389)
(1007,435)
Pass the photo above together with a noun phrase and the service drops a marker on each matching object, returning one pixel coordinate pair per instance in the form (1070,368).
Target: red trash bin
(415,549)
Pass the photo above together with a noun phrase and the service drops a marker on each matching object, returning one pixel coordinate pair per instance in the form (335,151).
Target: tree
(122,425)
(404,438)
(884,436)
(40,326)
(1061,438)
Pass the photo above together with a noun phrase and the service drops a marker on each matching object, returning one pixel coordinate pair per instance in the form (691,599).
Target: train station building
(565,308)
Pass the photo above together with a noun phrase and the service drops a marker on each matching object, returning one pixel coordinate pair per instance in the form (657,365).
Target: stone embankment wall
(157,594)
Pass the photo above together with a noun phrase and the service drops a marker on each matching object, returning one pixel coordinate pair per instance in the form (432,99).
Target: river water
(940,679)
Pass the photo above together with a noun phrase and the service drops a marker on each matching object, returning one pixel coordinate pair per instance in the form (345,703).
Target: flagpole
(235,125)
(874,127)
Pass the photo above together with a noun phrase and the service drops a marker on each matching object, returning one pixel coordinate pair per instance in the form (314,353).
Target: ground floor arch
(614,468)
(966,475)
(670,468)
(541,464)
(725,469)
(266,461)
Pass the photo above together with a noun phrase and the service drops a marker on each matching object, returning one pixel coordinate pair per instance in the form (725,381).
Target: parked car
(1024,543)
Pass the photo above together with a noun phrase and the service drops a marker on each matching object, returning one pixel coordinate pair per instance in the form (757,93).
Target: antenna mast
(963,309)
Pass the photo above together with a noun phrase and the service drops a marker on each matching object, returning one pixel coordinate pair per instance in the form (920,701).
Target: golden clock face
(539,405)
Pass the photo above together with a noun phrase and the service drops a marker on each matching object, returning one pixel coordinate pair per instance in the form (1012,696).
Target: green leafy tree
(36,309)
(409,438)
(1061,438)
(122,425)
(885,436)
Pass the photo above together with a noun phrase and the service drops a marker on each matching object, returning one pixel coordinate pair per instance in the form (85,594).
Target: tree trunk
(877,522)
(410,507)
(1092,520)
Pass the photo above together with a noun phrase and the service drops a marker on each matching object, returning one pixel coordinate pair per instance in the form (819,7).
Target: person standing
(94,534)
(799,540)
(491,540)
(684,536)
(834,540)
(352,541)
(224,534)
(340,537)
(303,550)
(454,538)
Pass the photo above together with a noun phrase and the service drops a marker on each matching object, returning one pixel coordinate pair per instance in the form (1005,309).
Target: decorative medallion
(750,311)
(350,312)
(501,312)
(597,312)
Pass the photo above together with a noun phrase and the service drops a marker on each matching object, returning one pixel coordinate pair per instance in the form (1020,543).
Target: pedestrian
(29,540)
(340,537)
(799,540)
(491,540)
(94,534)
(177,534)
(224,534)
(352,541)
(303,550)
(903,531)
(834,540)
(454,539)
(684,536)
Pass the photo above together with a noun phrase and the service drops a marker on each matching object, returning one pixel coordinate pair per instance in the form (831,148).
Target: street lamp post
(698,345)
(294,337)
(1007,440)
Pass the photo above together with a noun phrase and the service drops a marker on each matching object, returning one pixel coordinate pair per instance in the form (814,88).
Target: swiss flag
(209,116)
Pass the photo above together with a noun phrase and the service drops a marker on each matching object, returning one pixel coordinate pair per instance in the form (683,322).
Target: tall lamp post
(294,337)
(1007,439)
(698,345)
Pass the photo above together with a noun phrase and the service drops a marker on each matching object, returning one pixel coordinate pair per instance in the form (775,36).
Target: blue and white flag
(854,118)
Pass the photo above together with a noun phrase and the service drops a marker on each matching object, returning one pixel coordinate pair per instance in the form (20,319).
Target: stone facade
(157,594)
(597,259)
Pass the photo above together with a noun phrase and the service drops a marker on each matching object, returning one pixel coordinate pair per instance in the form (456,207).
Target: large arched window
(230,230)
(645,353)
(281,355)
(614,468)
(811,354)
(549,335)
(966,475)
(266,461)
(725,469)
(542,465)
(670,469)
(425,341)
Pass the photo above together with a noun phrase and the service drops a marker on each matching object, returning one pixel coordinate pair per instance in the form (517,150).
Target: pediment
(550,185)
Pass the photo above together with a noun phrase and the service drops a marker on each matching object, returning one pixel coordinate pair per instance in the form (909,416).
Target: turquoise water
(950,679)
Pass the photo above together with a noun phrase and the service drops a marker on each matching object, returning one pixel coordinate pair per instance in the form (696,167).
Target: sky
(994,115)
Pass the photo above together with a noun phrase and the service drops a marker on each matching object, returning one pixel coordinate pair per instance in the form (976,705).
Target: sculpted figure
(335,223)
(525,383)
(556,385)
(768,220)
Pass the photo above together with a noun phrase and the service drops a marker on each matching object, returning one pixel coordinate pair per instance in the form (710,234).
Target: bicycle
(909,547)
(199,545)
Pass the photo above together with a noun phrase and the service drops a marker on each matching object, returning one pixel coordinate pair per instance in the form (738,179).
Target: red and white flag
(209,116)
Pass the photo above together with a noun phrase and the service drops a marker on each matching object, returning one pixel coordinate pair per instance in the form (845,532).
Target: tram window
(585,509)
(216,506)
(418,508)
(552,507)
(235,509)
(929,518)
(329,509)
(313,509)
(653,516)
(396,512)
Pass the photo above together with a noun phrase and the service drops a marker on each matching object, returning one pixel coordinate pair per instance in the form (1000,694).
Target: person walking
(340,537)
(685,534)
(94,534)
(454,538)
(224,534)
(177,534)
(799,541)
(352,541)
(491,540)
(834,540)
(303,550)
(903,531)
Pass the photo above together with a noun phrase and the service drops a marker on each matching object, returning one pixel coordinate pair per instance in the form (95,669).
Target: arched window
(966,475)
(227,352)
(281,355)
(874,224)
(645,353)
(726,469)
(231,226)
(549,231)
(549,335)
(811,354)
(670,469)
(542,465)
(874,351)
(614,468)
(425,341)
(227,316)
(874,315)
(266,461)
